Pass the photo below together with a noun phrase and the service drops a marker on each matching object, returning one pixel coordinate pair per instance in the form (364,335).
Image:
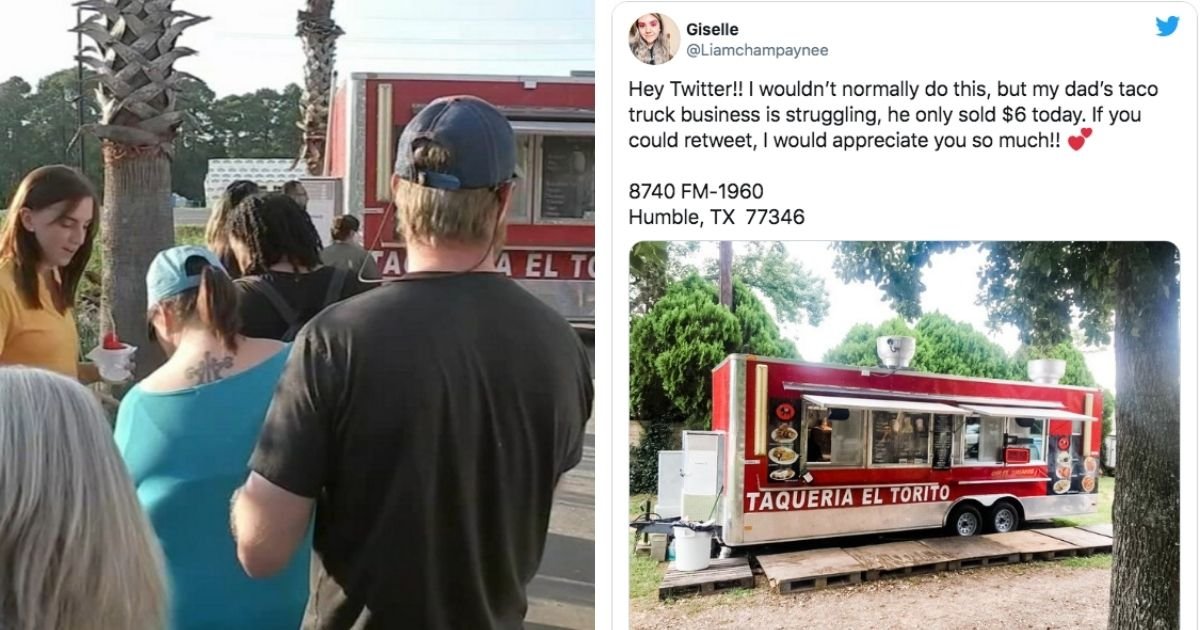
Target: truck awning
(1027,412)
(911,406)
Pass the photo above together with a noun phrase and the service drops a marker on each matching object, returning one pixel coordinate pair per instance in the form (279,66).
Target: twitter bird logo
(1166,27)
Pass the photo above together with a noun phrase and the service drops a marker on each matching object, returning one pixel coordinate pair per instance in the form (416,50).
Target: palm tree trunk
(318,34)
(136,224)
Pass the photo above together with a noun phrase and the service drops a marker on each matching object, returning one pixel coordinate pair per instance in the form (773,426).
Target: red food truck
(803,450)
(550,246)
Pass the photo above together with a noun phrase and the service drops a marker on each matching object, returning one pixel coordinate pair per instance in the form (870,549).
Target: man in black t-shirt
(428,420)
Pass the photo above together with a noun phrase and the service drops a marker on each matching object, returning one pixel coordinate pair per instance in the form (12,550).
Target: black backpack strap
(285,310)
(334,292)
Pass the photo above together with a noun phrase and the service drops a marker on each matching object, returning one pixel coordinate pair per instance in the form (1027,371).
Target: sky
(249,44)
(951,287)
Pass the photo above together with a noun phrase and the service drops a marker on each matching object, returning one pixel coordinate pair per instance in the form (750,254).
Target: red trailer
(551,223)
(804,450)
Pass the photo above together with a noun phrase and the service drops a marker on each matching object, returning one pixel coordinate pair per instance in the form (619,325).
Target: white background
(1130,182)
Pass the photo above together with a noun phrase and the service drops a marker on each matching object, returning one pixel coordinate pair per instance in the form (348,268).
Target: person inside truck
(284,283)
(422,420)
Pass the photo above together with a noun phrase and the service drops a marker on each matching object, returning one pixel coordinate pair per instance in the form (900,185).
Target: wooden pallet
(723,574)
(972,551)
(898,559)
(1033,545)
(1103,529)
(811,570)
(1085,542)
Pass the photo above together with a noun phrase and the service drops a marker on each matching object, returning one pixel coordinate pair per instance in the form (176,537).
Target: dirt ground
(1042,595)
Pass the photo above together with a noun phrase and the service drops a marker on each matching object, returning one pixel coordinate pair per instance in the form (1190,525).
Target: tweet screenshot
(903,300)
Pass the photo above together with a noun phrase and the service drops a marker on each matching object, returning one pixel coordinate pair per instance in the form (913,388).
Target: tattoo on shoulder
(209,369)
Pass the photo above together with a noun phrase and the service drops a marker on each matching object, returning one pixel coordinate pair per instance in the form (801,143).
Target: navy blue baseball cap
(482,147)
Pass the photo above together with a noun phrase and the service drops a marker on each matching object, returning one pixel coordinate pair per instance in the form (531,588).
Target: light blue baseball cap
(168,274)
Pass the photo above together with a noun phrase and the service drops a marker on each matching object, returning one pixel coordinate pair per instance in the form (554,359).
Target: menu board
(783,440)
(1069,471)
(943,441)
(883,447)
(568,177)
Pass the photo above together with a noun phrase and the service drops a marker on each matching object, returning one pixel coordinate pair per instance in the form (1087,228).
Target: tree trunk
(1145,575)
(318,34)
(725,279)
(137,223)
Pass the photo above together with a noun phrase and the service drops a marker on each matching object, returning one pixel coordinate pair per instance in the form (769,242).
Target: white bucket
(692,549)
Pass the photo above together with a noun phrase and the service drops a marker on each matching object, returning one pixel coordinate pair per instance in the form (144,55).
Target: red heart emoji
(1086,131)
(1076,142)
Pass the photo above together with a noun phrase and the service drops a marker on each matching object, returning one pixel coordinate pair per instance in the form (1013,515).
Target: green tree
(649,274)
(943,347)
(673,349)
(261,124)
(795,293)
(1129,290)
(39,125)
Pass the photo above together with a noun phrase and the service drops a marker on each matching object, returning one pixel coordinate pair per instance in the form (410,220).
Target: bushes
(643,458)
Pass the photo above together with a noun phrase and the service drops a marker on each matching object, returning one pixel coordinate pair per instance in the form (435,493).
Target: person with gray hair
(76,551)
(427,421)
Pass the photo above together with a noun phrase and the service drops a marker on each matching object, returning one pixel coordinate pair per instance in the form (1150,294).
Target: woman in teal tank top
(186,433)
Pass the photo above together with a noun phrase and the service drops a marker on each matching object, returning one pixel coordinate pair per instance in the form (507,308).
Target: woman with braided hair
(284,283)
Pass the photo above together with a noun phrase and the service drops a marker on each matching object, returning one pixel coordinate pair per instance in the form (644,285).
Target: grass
(1095,561)
(1103,512)
(88,300)
(645,573)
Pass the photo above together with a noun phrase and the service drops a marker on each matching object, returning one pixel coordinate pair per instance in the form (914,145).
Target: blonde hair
(76,550)
(429,216)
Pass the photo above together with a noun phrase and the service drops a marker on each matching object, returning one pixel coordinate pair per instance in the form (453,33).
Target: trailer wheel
(965,520)
(1004,518)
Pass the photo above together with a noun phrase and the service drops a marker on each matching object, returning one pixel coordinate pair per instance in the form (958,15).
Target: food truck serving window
(900,437)
(1028,433)
(567,173)
(886,432)
(982,440)
(834,442)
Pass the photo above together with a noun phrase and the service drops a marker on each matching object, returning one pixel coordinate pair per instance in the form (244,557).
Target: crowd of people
(319,450)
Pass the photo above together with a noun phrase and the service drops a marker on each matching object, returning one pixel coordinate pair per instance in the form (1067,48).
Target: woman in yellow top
(45,245)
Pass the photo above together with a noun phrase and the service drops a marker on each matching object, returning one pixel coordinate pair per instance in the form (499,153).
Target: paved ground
(190,216)
(563,594)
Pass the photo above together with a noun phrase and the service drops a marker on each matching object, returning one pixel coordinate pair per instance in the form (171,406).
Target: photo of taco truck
(806,451)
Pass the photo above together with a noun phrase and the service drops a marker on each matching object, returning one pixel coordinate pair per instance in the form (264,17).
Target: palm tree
(318,33)
(134,58)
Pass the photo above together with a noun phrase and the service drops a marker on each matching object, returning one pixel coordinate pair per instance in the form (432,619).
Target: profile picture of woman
(653,39)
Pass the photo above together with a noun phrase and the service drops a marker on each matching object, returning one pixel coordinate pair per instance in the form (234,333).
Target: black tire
(1004,517)
(965,520)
